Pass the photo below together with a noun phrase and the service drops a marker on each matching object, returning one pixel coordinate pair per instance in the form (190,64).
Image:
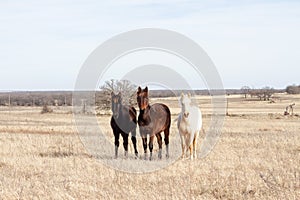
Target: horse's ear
(119,94)
(146,89)
(189,95)
(139,90)
(112,94)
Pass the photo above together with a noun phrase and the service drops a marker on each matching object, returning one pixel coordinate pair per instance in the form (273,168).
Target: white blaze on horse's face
(116,104)
(185,104)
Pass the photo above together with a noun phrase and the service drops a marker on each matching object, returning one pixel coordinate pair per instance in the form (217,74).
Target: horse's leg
(191,151)
(133,139)
(144,138)
(117,135)
(125,143)
(195,144)
(182,144)
(151,145)
(159,141)
(188,144)
(167,132)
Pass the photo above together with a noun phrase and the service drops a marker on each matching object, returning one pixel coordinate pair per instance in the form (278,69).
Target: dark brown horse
(152,121)
(122,122)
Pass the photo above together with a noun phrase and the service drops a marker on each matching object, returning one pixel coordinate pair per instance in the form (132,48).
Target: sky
(43,44)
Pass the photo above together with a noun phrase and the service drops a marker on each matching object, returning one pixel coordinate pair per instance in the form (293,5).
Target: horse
(122,122)
(152,120)
(189,125)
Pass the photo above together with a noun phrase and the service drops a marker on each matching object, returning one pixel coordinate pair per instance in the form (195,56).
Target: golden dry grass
(257,157)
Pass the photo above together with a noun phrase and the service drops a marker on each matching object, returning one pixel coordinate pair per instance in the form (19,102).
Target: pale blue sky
(44,43)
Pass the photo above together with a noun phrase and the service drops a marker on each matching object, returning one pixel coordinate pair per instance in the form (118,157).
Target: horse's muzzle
(115,115)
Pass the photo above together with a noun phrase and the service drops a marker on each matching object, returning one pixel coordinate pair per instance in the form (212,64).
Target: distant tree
(264,93)
(253,92)
(127,89)
(259,93)
(293,89)
(267,93)
(245,91)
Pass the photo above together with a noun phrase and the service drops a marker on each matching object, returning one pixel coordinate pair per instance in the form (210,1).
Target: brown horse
(152,121)
(122,122)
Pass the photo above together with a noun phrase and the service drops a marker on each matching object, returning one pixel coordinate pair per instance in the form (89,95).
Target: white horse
(189,125)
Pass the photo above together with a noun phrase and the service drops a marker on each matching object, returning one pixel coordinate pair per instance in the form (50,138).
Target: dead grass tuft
(56,154)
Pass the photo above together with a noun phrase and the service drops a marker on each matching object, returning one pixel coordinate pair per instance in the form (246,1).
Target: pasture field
(257,157)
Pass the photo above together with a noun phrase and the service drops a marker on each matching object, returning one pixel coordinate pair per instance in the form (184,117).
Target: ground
(257,157)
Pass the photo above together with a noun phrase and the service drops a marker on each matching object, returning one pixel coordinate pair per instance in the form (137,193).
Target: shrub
(46,109)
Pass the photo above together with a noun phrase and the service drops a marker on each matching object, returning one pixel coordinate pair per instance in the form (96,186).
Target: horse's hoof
(160,154)
(126,154)
(136,155)
(167,156)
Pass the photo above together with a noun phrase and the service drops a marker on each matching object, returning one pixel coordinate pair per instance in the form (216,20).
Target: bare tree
(245,91)
(253,92)
(259,93)
(127,89)
(267,93)
(264,93)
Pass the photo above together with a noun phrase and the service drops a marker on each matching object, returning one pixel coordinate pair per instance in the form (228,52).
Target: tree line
(60,98)
(293,89)
(128,89)
(267,92)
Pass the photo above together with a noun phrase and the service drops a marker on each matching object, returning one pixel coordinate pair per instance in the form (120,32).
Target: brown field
(256,157)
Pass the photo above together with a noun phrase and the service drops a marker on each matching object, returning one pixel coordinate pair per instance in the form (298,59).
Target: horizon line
(69,90)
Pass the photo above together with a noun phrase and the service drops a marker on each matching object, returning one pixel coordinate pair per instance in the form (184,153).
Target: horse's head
(142,98)
(185,101)
(116,101)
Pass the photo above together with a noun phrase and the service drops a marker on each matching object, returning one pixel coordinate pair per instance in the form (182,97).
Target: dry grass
(257,157)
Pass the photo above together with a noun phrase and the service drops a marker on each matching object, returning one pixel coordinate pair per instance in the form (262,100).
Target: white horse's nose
(186,115)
